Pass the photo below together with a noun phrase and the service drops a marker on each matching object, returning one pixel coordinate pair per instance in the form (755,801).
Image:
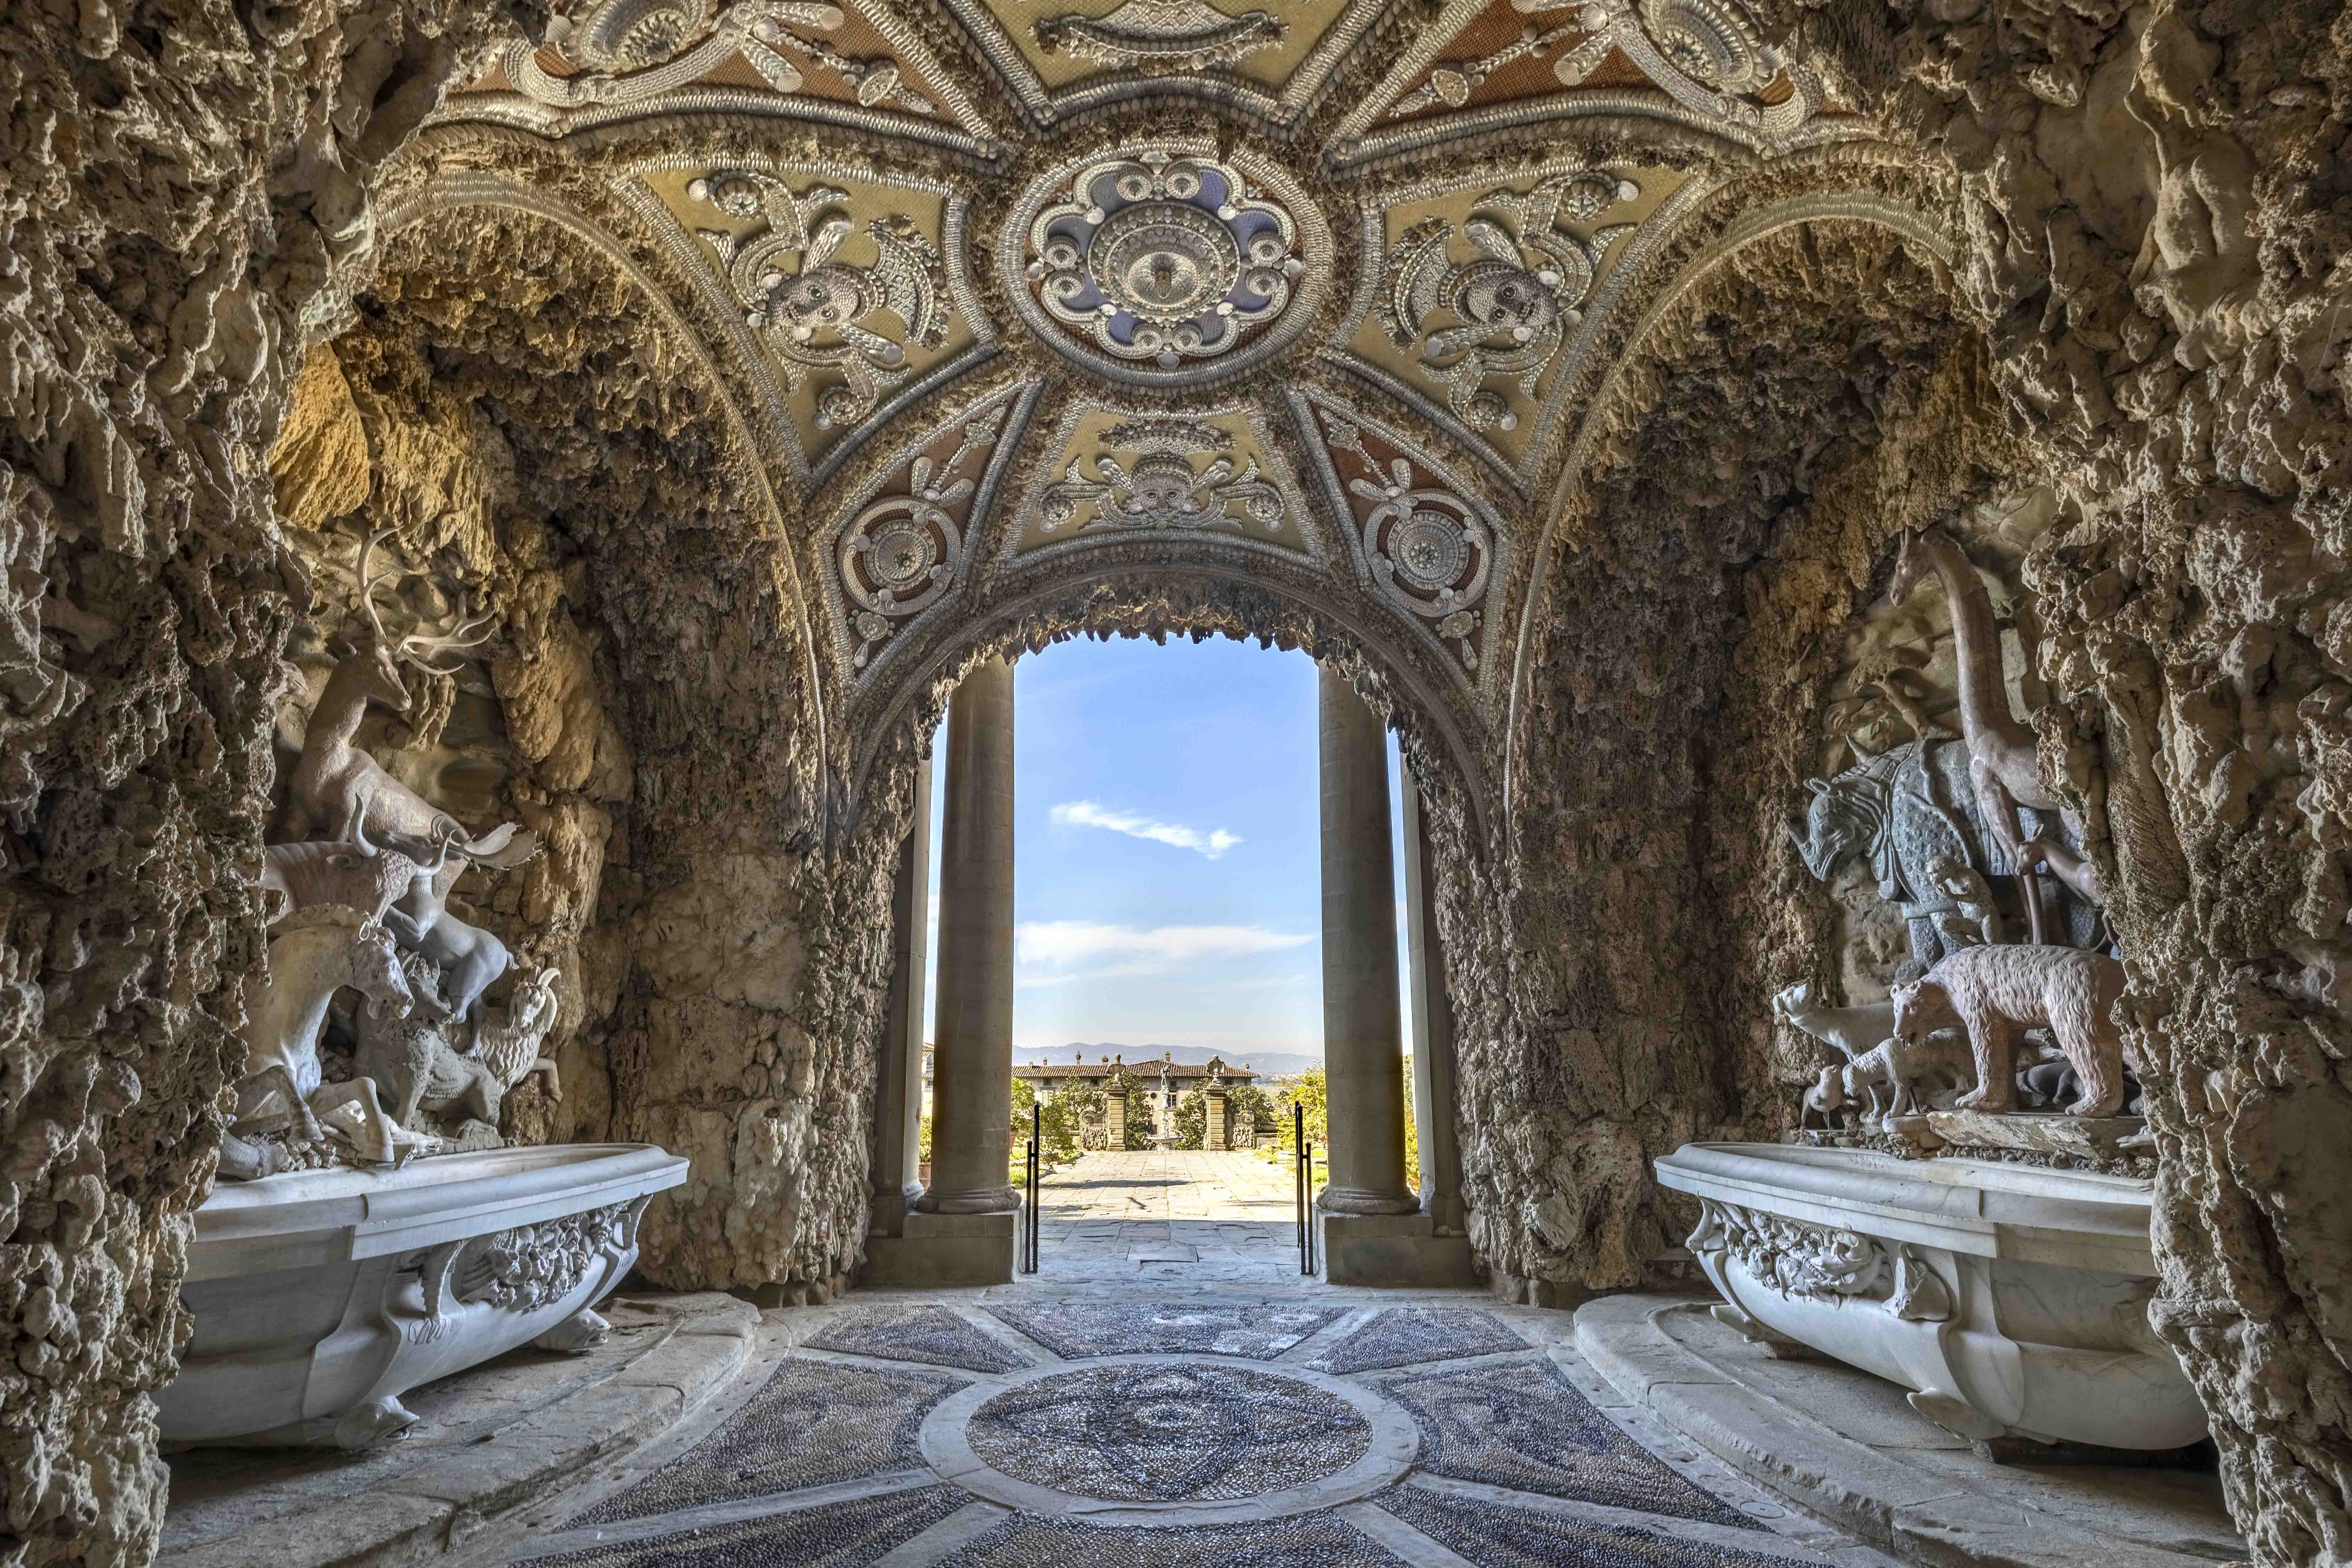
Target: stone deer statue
(1997,992)
(1894,1078)
(338,788)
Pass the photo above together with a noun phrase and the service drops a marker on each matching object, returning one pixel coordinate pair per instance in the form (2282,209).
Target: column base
(1397,1249)
(939,1251)
(888,1213)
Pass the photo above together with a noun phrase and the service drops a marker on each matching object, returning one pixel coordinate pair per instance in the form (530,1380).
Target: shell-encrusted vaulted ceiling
(1322,297)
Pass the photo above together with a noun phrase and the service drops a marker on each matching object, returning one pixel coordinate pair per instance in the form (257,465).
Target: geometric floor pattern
(1520,1424)
(1105,1415)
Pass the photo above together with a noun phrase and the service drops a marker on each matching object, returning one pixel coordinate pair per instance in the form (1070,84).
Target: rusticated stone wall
(182,198)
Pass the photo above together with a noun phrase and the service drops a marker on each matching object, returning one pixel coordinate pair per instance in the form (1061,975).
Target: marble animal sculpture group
(1935,819)
(368,909)
(1995,992)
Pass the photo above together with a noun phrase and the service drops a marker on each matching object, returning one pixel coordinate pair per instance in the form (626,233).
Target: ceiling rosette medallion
(1420,538)
(904,546)
(1267,62)
(1487,64)
(1176,479)
(1166,266)
(845,287)
(1483,297)
(811,59)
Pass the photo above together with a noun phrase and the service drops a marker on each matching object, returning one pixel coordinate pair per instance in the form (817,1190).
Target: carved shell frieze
(1494,300)
(1419,536)
(1820,1264)
(904,545)
(526,1268)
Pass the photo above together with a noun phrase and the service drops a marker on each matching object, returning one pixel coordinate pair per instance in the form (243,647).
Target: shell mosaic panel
(838,1535)
(1497,1535)
(812,1423)
(929,1334)
(1168,1434)
(1306,1540)
(1405,1336)
(1520,1424)
(1080,1329)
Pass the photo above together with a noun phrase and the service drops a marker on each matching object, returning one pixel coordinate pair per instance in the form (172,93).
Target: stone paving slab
(487,1442)
(1911,1488)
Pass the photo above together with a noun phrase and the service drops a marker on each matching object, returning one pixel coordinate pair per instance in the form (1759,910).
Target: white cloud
(1145,949)
(1086,814)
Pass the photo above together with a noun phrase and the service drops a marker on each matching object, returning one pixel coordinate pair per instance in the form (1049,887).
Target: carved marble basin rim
(1988,1208)
(320,1298)
(299,1219)
(2010,1300)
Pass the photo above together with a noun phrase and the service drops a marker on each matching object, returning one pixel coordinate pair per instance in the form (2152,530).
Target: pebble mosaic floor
(908,1433)
(1112,1422)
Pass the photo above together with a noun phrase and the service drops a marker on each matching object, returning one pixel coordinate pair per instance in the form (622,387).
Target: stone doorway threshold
(488,1443)
(1846,1447)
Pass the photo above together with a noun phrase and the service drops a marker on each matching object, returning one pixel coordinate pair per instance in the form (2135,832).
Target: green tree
(1057,1127)
(1311,1089)
(1139,1118)
(1411,1132)
(1191,1119)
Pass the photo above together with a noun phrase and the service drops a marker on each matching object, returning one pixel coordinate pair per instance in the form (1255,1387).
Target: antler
(418,648)
(367,584)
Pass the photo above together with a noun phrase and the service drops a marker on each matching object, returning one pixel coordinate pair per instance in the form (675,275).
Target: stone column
(1363,1049)
(972,1115)
(899,1082)
(1433,1105)
(962,1232)
(1213,1100)
(1374,1230)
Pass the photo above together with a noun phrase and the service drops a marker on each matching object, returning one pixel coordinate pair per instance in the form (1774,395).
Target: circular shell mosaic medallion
(1168,1434)
(1136,1440)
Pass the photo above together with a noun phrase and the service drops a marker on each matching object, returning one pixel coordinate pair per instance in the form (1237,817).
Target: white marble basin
(320,1297)
(2012,1300)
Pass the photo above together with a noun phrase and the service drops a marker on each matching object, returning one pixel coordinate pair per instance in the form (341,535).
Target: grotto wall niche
(734,944)
(517,728)
(2152,205)
(1811,392)
(188,199)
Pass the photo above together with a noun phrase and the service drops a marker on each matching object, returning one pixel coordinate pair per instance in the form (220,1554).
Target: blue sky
(1168,879)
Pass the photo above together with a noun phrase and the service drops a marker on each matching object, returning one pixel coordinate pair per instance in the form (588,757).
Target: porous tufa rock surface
(184,201)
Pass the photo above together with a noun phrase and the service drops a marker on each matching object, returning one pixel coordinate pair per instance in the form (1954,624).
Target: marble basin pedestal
(320,1297)
(2012,1300)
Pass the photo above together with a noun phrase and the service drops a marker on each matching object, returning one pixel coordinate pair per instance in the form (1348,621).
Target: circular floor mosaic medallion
(1168,1433)
(1176,1438)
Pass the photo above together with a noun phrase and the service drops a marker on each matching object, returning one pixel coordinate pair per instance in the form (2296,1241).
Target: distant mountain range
(1265,1064)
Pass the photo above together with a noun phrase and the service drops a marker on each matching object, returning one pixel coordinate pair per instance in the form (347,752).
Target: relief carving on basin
(2012,1300)
(320,1297)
